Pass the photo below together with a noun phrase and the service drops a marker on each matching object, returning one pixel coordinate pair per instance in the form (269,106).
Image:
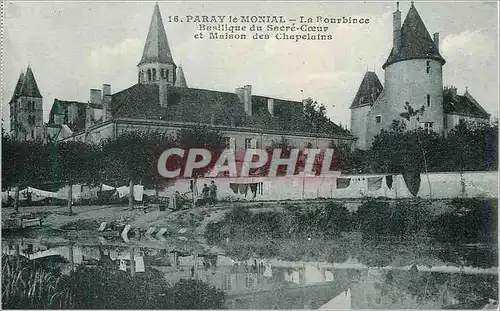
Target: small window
(428,100)
(248,143)
(378,119)
(162,73)
(154,74)
(445,122)
(428,127)
(33,134)
(258,145)
(167,74)
(428,66)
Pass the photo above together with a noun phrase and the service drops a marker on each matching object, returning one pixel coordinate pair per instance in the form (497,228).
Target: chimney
(106,89)
(270,106)
(95,96)
(396,31)
(247,99)
(163,92)
(240,91)
(436,40)
(106,102)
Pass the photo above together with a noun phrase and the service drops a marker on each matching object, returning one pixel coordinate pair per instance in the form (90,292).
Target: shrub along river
(295,259)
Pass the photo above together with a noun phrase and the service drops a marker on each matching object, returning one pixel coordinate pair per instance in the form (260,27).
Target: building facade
(413,90)
(162,101)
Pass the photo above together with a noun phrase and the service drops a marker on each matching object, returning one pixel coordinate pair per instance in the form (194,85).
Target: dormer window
(428,66)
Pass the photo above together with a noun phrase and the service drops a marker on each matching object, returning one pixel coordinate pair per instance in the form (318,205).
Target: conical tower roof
(369,90)
(29,87)
(180,80)
(156,48)
(416,42)
(17,90)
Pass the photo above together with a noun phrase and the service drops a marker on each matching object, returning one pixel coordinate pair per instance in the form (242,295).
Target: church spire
(180,79)
(156,48)
(19,85)
(29,87)
(156,62)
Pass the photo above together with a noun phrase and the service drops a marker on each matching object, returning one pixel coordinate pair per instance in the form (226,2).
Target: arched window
(149,74)
(154,74)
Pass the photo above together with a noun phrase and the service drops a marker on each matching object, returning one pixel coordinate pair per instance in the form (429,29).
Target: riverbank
(459,220)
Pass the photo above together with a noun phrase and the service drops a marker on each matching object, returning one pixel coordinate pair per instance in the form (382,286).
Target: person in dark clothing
(205,195)
(213,193)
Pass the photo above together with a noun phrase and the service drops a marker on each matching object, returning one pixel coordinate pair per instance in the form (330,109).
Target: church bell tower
(157,63)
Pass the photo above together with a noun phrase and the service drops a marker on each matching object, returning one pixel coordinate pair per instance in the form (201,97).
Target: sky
(75,46)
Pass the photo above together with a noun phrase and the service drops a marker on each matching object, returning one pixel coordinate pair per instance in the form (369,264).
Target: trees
(201,136)
(464,148)
(24,164)
(75,162)
(132,158)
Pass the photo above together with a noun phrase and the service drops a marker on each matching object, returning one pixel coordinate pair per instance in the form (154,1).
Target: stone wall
(442,186)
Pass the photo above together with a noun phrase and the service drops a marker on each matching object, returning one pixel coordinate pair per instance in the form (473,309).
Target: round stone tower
(413,73)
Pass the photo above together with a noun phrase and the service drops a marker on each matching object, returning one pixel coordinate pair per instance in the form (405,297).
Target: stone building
(413,82)
(26,109)
(162,101)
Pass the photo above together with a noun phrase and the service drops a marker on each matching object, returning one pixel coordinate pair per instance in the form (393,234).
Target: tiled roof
(29,87)
(369,90)
(416,42)
(464,105)
(141,101)
(156,48)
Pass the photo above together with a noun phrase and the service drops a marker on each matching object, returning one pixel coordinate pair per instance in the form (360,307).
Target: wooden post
(16,199)
(132,262)
(70,199)
(131,195)
(71,259)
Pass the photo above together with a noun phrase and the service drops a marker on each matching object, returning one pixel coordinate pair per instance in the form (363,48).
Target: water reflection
(271,283)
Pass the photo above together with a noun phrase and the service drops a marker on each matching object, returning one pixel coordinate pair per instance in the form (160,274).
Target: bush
(373,217)
(471,220)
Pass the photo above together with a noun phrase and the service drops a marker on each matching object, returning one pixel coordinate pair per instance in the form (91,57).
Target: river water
(448,277)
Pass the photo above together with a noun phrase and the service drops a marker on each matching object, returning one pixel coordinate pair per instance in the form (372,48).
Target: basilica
(162,101)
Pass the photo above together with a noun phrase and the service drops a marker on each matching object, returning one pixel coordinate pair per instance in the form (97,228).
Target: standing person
(213,193)
(205,194)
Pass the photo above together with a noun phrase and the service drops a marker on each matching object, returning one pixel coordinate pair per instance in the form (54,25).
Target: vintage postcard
(250,155)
